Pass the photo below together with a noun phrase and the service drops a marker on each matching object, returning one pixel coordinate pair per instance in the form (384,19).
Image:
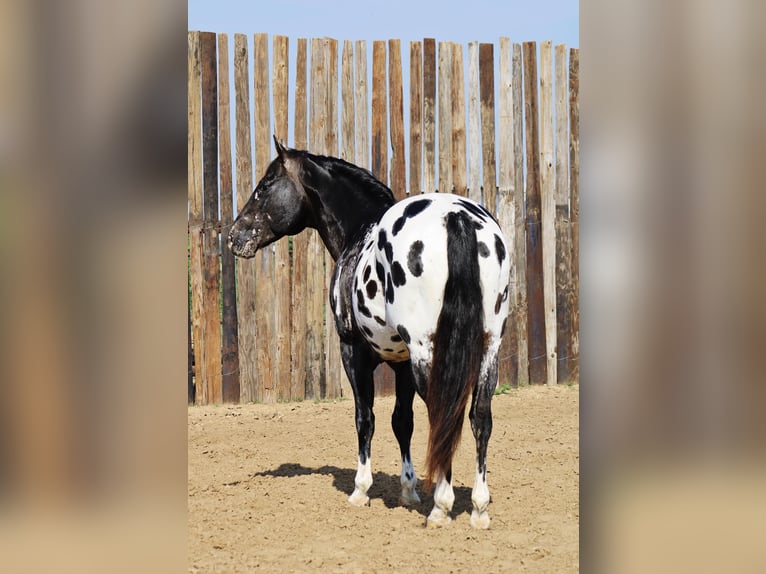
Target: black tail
(458,346)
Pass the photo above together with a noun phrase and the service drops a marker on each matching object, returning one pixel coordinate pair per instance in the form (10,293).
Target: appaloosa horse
(421,284)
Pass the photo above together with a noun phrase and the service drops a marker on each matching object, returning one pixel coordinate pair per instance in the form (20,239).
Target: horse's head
(278,206)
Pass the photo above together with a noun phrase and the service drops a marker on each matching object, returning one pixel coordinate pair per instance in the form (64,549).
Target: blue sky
(463,22)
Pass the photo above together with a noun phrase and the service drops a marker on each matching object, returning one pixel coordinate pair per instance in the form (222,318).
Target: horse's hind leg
(481,424)
(359,366)
(402,423)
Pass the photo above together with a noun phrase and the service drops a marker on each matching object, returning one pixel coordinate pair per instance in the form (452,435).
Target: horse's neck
(344,212)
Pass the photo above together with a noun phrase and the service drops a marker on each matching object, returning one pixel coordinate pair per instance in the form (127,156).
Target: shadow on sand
(384,487)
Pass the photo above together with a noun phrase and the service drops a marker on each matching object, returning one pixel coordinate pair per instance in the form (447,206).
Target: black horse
(421,284)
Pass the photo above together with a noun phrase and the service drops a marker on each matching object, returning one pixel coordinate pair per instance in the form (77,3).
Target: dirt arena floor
(268,486)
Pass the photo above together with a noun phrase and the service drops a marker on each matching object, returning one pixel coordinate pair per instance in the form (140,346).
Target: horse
(420,284)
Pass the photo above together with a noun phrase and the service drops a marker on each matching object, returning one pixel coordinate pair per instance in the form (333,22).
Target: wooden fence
(258,329)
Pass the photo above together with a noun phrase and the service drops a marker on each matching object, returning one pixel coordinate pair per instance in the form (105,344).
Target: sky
(462,21)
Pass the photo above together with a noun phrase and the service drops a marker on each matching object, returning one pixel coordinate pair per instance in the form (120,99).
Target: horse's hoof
(480,521)
(437,519)
(409,497)
(359,499)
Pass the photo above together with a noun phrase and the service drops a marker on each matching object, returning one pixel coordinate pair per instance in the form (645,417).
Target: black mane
(371,186)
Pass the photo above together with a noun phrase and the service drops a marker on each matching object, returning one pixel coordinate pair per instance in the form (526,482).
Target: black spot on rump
(410,211)
(389,289)
(396,339)
(502,329)
(414,262)
(385,245)
(367,331)
(402,330)
(380,272)
(397,273)
(499,249)
(380,321)
(367,271)
(483,249)
(372,289)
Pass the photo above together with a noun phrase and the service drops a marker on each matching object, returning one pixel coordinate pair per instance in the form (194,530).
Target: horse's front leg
(402,423)
(359,364)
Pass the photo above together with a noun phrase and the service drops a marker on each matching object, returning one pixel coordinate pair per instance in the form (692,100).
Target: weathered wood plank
(230,376)
(474,124)
(563,230)
(379,115)
(316,383)
(535,300)
(396,109)
(416,118)
(457,98)
(429,115)
(548,211)
(362,111)
(574,197)
(518,318)
(487,98)
(506,210)
(196,274)
(245,268)
(331,136)
(282,271)
(333,367)
(445,117)
(300,244)
(211,253)
(347,150)
(265,289)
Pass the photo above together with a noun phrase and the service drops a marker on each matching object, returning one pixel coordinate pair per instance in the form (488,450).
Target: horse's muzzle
(242,246)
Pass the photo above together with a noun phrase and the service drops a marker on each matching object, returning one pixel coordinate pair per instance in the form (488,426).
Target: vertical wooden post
(362,111)
(458,121)
(196,273)
(396,110)
(536,307)
(300,246)
(548,211)
(282,272)
(347,150)
(505,207)
(429,115)
(211,249)
(445,118)
(331,136)
(396,120)
(245,268)
(265,291)
(379,116)
(334,374)
(487,97)
(416,117)
(315,364)
(230,375)
(563,230)
(474,123)
(574,195)
(519,290)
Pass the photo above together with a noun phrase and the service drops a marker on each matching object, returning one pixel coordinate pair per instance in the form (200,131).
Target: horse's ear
(281,150)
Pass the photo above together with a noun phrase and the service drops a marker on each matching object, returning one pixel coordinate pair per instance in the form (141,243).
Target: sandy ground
(268,486)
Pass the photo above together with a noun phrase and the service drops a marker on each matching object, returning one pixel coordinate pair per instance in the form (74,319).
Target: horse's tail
(458,346)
